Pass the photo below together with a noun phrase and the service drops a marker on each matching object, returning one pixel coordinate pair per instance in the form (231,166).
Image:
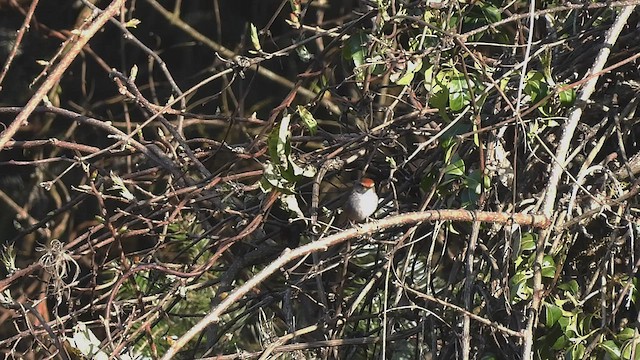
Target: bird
(362,201)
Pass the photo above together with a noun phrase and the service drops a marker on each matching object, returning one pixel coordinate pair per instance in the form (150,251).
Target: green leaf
(133,23)
(356,50)
(133,73)
(627,349)
(429,79)
(536,87)
(456,168)
(567,97)
(552,314)
(626,334)
(308,120)
(282,171)
(391,161)
(528,242)
(571,329)
(468,198)
(571,287)
(449,136)
(565,322)
(521,276)
(279,145)
(585,323)
(491,13)
(304,54)
(522,291)
(486,181)
(118,184)
(450,152)
(439,99)
(473,182)
(438,86)
(447,143)
(255,39)
(413,67)
(548,267)
(611,348)
(552,123)
(458,92)
(577,352)
(560,343)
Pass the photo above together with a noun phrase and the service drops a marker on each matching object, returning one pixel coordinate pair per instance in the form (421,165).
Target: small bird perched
(363,200)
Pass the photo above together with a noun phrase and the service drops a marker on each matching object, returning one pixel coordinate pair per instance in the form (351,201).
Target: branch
(56,74)
(559,168)
(361,230)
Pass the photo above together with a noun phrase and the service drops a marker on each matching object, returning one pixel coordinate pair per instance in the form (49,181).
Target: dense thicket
(186,168)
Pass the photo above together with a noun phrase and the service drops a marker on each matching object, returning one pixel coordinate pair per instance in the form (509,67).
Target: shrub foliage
(172,176)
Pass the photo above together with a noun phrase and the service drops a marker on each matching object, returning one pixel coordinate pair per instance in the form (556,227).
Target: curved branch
(289,255)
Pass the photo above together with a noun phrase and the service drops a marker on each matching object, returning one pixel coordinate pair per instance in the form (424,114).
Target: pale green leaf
(133,23)
(308,120)
(255,39)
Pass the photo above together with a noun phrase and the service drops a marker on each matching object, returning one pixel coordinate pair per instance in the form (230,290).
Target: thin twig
(59,70)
